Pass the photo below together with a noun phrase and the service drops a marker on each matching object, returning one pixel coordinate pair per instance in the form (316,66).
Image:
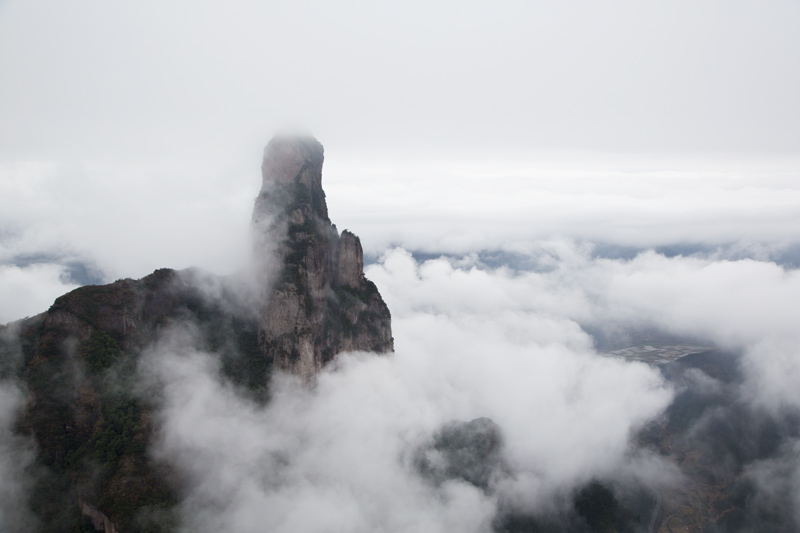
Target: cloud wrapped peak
(288,158)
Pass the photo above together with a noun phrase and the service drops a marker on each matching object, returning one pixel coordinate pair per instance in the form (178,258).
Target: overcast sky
(89,79)
(131,134)
(570,136)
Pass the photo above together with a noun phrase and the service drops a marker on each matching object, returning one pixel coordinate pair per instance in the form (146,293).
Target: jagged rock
(78,359)
(318,302)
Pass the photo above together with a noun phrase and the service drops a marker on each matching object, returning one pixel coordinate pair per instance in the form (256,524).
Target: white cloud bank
(339,457)
(746,304)
(126,222)
(747,206)
(124,146)
(30,290)
(132,133)
(470,342)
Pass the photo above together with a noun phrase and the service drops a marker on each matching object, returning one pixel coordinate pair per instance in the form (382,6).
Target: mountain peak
(92,432)
(289,157)
(291,174)
(320,302)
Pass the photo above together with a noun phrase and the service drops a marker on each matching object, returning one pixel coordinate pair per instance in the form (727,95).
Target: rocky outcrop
(317,301)
(86,413)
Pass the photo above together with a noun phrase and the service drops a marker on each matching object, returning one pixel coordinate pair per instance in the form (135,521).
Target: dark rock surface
(320,303)
(86,415)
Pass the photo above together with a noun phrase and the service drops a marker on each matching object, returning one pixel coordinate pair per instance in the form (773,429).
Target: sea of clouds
(64,225)
(494,281)
(471,342)
(130,144)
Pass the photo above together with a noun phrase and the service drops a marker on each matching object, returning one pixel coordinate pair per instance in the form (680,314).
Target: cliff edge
(78,362)
(317,301)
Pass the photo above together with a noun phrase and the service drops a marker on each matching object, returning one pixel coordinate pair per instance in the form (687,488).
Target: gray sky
(145,80)
(131,134)
(131,138)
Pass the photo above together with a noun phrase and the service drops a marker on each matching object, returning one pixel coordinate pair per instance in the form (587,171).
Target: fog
(61,233)
(16,452)
(528,181)
(474,341)
(340,456)
(131,135)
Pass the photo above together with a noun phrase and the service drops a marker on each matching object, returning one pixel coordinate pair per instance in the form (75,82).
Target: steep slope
(79,361)
(321,303)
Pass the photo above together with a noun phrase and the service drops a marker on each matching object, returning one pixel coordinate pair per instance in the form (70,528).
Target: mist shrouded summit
(321,303)
(160,405)
(90,411)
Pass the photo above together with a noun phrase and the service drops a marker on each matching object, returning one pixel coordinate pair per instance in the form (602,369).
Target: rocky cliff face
(78,361)
(318,302)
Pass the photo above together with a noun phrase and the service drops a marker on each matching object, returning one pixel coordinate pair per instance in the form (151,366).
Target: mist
(474,342)
(341,456)
(16,452)
(129,140)
(534,186)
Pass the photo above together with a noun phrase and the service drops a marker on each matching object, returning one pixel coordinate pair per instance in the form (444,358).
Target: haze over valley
(551,283)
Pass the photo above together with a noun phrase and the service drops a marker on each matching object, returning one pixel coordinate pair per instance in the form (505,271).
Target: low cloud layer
(746,304)
(133,143)
(341,457)
(64,225)
(723,207)
(476,342)
(497,328)
(28,291)
(90,217)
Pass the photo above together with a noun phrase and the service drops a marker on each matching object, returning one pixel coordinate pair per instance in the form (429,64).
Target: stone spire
(318,301)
